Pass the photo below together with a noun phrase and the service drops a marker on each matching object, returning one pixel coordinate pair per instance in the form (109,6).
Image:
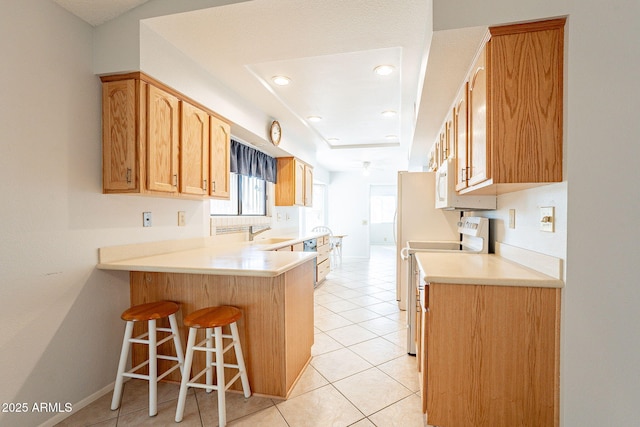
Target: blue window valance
(248,161)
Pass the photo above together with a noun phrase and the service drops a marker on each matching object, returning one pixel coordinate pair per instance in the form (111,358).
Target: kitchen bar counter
(273,289)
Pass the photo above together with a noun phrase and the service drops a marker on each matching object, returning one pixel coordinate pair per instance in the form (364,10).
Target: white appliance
(418,219)
(475,239)
(447,197)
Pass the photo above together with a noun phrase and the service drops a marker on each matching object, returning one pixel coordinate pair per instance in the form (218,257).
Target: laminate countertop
(480,269)
(200,256)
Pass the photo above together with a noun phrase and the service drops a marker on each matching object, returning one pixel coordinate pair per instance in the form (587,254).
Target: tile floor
(360,374)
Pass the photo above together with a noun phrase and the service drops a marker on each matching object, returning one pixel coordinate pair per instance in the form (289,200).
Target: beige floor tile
(166,415)
(237,406)
(331,321)
(326,298)
(319,408)
(382,325)
(372,390)
(94,413)
(384,308)
(323,343)
(405,413)
(339,364)
(135,395)
(363,423)
(309,380)
(351,334)
(403,369)
(365,300)
(359,314)
(398,337)
(269,417)
(340,306)
(377,350)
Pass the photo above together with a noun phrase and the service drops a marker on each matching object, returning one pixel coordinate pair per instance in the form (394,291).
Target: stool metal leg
(188,360)
(117,391)
(240,360)
(222,409)
(153,369)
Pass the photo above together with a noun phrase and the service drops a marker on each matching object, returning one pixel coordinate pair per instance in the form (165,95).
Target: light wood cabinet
(514,118)
(220,158)
(323,264)
(492,356)
(195,144)
(295,182)
(120,152)
(158,142)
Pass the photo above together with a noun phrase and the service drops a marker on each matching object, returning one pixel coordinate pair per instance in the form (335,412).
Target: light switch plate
(512,218)
(547,219)
(181,219)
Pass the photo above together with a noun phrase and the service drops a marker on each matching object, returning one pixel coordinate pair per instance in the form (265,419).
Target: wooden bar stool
(213,319)
(149,312)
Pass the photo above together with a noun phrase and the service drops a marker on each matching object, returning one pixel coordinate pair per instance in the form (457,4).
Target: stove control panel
(473,226)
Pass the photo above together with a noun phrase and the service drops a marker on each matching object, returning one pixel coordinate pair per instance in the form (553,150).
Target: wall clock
(276,133)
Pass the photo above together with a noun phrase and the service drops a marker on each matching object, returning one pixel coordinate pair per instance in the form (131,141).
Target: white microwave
(447,197)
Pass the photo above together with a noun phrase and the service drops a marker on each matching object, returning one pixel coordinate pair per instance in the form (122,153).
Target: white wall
(60,317)
(600,372)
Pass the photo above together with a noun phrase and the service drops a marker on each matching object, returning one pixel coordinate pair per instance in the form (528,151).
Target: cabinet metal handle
(205,185)
(213,189)
(175,180)
(128,175)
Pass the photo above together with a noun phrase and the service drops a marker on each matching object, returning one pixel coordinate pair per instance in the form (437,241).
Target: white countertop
(196,256)
(480,269)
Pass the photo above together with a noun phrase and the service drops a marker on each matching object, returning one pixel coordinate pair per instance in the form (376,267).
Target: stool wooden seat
(213,319)
(150,313)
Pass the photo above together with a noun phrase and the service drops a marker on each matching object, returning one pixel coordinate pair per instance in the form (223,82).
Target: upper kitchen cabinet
(158,142)
(220,157)
(295,182)
(195,143)
(515,102)
(460,136)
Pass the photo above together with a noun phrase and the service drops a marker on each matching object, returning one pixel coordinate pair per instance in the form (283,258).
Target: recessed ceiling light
(391,137)
(384,70)
(281,80)
(314,118)
(389,113)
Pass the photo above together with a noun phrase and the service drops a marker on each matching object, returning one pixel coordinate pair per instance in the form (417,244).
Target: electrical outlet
(547,219)
(146,219)
(512,218)
(181,219)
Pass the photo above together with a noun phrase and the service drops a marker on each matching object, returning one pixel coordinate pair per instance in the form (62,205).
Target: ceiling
(328,50)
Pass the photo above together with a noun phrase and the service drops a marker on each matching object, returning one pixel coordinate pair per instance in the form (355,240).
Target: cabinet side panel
(527,106)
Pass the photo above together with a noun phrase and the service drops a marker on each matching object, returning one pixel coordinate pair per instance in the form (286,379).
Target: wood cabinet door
(120,164)
(479,151)
(162,140)
(460,140)
(308,185)
(194,150)
(299,182)
(220,152)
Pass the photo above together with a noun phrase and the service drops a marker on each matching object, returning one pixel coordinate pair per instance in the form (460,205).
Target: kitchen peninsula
(274,290)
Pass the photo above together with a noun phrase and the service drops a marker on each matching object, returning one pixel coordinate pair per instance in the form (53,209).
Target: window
(383,209)
(248,196)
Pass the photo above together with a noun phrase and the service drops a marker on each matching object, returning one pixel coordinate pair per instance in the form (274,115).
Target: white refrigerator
(418,219)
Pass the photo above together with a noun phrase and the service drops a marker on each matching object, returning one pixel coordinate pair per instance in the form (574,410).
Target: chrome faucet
(253,234)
